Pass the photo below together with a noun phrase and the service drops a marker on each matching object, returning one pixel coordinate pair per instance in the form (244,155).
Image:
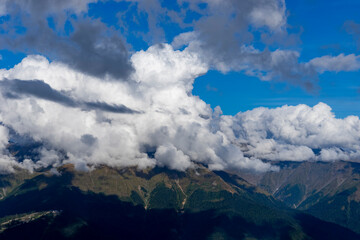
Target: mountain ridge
(199,202)
(327,190)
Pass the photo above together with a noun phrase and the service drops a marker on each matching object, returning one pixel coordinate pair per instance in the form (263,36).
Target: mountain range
(308,200)
(327,190)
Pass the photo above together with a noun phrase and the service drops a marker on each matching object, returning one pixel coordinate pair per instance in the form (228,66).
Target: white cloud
(173,158)
(7,162)
(338,63)
(294,133)
(178,129)
(173,124)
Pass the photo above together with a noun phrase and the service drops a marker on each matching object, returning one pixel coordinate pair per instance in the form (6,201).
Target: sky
(322,32)
(228,84)
(321,29)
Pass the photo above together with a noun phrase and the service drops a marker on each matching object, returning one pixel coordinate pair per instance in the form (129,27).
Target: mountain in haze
(158,203)
(327,190)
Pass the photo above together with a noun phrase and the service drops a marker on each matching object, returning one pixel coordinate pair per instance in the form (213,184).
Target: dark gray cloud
(116,108)
(226,36)
(19,88)
(39,89)
(90,47)
(98,50)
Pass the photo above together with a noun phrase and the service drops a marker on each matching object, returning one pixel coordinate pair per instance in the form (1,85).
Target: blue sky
(319,26)
(323,33)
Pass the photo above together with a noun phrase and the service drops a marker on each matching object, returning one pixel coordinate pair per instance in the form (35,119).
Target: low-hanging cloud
(170,129)
(170,123)
(295,133)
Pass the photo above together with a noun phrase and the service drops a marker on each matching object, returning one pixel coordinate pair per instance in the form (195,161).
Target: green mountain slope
(328,190)
(127,203)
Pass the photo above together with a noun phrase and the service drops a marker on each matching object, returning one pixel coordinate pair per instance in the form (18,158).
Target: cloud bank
(295,133)
(171,124)
(74,116)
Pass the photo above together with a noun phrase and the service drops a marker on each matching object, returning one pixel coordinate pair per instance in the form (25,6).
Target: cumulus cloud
(296,133)
(172,157)
(172,127)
